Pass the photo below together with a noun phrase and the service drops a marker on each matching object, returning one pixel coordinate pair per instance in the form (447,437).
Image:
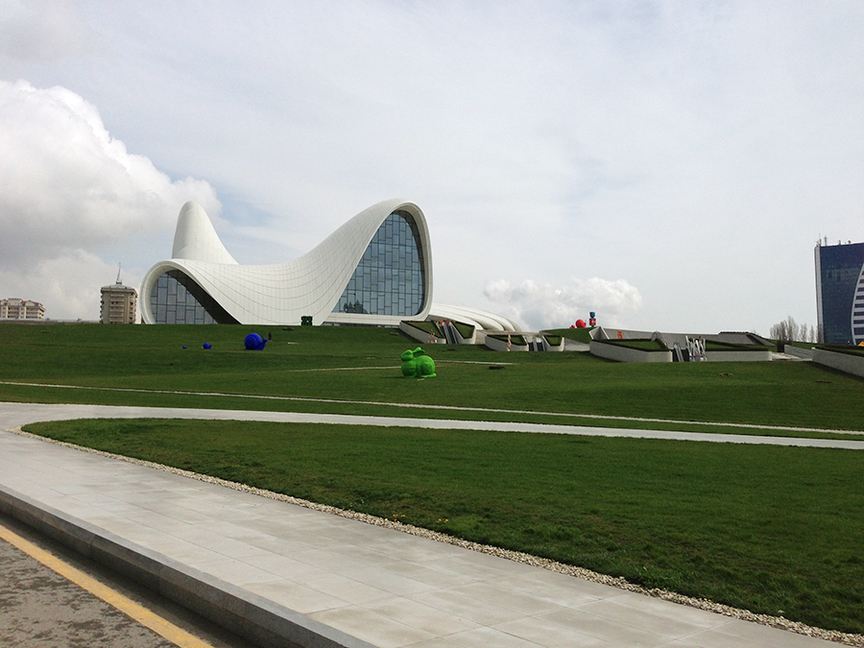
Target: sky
(667,165)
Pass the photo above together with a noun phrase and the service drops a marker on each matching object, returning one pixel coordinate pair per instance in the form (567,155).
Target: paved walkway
(14,414)
(321,579)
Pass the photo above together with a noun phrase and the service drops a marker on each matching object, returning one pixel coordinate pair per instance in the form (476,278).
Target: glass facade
(176,299)
(389,280)
(858,310)
(840,293)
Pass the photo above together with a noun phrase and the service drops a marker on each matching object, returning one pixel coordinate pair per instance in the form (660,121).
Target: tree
(790,331)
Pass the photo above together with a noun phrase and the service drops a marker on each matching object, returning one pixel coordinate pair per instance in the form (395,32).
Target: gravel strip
(516,556)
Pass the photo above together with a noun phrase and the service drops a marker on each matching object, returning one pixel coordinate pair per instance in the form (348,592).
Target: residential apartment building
(119,304)
(21,309)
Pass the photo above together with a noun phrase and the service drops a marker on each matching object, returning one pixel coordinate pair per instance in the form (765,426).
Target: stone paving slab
(330,581)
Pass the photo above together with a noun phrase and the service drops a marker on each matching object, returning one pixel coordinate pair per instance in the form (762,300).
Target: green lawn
(765,528)
(293,364)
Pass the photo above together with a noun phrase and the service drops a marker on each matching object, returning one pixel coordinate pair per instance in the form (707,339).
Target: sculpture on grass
(416,364)
(254,342)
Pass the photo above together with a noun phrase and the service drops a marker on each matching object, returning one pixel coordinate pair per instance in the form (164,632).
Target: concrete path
(16,414)
(275,570)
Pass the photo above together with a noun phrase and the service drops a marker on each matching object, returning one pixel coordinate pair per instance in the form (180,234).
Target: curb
(246,614)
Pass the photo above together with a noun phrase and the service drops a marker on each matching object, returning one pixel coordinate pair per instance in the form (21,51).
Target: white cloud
(543,306)
(71,192)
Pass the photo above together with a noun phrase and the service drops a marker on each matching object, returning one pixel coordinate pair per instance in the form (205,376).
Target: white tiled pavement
(381,586)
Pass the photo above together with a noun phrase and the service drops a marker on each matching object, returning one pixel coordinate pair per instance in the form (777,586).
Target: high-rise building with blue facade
(840,293)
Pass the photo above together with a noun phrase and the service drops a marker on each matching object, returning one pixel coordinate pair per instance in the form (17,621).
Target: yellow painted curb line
(145,617)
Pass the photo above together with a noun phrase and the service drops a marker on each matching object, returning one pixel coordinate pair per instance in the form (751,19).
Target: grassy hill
(316,362)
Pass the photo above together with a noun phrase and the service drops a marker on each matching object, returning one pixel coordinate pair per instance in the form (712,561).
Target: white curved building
(376,269)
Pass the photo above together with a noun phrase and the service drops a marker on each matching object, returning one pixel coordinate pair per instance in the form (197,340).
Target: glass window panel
(176,298)
(389,278)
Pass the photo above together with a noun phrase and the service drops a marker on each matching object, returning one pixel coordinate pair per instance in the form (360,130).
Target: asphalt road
(40,608)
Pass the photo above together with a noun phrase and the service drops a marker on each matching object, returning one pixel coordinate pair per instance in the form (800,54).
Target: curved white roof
(481,319)
(283,293)
(195,237)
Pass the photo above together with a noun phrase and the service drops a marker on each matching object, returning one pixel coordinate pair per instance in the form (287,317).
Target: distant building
(840,293)
(119,304)
(21,309)
(375,270)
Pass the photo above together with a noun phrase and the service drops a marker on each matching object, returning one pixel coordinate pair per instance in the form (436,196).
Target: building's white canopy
(308,286)
(282,293)
(481,319)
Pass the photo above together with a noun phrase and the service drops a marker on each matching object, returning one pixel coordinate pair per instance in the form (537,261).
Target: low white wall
(501,345)
(550,347)
(628,354)
(738,356)
(463,340)
(420,335)
(798,352)
(845,362)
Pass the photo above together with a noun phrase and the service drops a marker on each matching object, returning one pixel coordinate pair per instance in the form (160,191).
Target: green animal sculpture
(416,364)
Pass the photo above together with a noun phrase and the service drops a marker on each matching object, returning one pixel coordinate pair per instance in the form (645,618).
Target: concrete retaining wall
(552,347)
(628,354)
(501,345)
(419,334)
(845,362)
(460,339)
(738,356)
(798,352)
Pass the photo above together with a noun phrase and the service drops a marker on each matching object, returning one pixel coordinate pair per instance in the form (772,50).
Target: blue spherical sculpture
(206,345)
(254,342)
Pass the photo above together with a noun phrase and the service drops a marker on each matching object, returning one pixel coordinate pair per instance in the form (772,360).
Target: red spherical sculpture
(580,323)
